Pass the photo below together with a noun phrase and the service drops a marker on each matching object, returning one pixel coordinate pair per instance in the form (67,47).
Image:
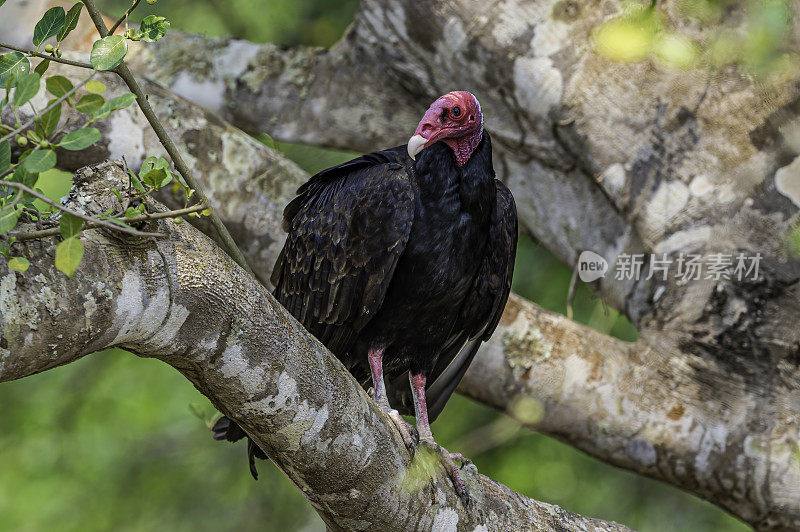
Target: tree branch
(183,301)
(655,410)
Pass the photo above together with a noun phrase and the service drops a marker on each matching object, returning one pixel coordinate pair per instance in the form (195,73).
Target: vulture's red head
(455,119)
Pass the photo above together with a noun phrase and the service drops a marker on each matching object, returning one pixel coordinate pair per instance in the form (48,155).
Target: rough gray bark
(181,300)
(615,158)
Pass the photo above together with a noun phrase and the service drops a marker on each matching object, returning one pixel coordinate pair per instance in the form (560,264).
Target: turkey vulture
(400,262)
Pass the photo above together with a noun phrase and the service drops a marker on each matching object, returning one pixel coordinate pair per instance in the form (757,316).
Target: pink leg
(426,436)
(375,357)
(421,407)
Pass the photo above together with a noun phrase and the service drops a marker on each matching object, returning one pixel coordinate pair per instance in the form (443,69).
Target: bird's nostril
(426,128)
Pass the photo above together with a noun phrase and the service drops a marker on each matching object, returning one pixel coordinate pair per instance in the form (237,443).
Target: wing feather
(347,228)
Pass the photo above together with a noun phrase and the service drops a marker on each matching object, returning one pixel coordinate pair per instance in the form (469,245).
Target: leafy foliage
(760,41)
(108,52)
(47,123)
(27,87)
(36,138)
(51,23)
(71,21)
(95,87)
(80,139)
(5,155)
(70,225)
(40,161)
(89,104)
(155,172)
(152,29)
(8,219)
(58,86)
(19,264)
(11,65)
(114,104)
(69,254)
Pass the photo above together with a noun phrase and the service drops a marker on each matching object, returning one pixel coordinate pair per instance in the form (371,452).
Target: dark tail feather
(225,429)
(447,382)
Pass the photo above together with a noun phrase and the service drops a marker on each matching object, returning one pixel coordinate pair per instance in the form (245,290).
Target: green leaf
(50,24)
(130,212)
(42,67)
(117,194)
(40,161)
(5,155)
(70,225)
(80,139)
(117,221)
(35,137)
(58,86)
(71,22)
(19,264)
(152,28)
(267,140)
(137,184)
(89,103)
(22,175)
(108,52)
(154,177)
(114,104)
(49,120)
(155,172)
(69,254)
(13,64)
(95,87)
(27,87)
(8,219)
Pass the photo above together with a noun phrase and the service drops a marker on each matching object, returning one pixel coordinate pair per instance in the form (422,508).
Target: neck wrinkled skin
(463,147)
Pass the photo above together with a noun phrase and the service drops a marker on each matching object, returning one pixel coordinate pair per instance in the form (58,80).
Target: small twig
(86,217)
(571,293)
(34,53)
(141,100)
(55,231)
(123,17)
(168,214)
(32,121)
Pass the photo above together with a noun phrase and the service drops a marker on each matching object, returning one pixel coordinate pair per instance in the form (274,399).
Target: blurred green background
(116,442)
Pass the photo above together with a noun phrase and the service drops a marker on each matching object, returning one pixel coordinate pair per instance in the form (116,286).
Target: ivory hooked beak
(415,145)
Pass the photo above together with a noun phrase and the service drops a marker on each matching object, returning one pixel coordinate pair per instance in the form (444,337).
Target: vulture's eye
(456,112)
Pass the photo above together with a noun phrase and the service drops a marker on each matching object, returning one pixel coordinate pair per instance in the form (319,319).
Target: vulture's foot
(407,431)
(448,461)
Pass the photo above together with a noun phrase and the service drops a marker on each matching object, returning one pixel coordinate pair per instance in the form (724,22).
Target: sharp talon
(415,434)
(448,461)
(407,431)
(455,477)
